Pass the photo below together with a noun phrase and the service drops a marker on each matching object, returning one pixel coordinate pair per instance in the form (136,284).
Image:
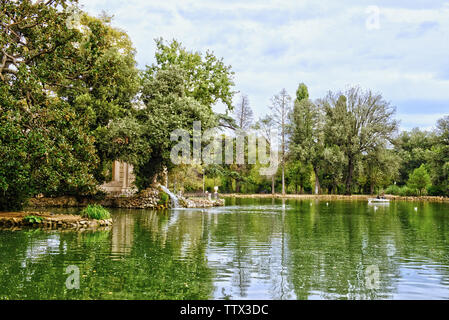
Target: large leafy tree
(105,84)
(61,83)
(439,158)
(412,147)
(207,79)
(361,121)
(166,108)
(180,88)
(44,144)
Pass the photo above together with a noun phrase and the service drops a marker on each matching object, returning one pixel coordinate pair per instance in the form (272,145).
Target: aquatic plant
(95,211)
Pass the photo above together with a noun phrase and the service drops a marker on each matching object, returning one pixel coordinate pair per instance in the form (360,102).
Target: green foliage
(436,191)
(393,190)
(95,211)
(413,149)
(164,199)
(166,108)
(43,135)
(302,92)
(33,219)
(406,191)
(359,122)
(207,79)
(419,179)
(306,134)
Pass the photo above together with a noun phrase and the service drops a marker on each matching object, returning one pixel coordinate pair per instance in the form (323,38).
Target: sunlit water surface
(250,249)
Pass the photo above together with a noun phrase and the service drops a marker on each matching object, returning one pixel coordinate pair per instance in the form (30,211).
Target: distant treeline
(347,142)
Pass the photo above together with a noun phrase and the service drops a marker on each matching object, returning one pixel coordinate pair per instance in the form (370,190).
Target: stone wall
(146,199)
(50,221)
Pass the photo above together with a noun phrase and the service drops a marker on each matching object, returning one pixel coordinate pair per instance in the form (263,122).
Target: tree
(264,126)
(412,147)
(438,158)
(44,136)
(306,134)
(243,114)
(378,169)
(361,122)
(281,108)
(207,79)
(166,108)
(107,82)
(299,175)
(419,179)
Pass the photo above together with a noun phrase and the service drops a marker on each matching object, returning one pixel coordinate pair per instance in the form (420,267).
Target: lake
(249,249)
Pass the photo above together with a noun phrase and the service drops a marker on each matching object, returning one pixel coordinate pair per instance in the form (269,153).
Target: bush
(164,199)
(95,211)
(32,219)
(393,189)
(436,191)
(407,192)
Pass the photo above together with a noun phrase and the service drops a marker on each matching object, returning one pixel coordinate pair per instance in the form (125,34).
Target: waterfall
(173,198)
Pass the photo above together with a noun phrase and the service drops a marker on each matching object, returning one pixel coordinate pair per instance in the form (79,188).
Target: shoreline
(334,197)
(50,220)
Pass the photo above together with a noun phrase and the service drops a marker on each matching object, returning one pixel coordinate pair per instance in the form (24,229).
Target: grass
(32,219)
(95,211)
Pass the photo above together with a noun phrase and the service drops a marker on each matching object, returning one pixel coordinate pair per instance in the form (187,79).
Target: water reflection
(251,249)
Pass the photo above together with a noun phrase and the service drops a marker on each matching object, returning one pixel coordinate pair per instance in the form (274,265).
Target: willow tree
(360,122)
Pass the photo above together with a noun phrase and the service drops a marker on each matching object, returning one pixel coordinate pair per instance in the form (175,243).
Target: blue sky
(397,48)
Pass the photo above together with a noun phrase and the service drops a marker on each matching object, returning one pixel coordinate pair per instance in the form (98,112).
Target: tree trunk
(317,181)
(237,186)
(283,180)
(272,185)
(349,177)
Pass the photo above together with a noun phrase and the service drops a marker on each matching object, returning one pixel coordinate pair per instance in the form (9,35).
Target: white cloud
(325,44)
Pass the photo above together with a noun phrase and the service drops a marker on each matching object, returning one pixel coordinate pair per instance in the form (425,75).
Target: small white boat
(378,200)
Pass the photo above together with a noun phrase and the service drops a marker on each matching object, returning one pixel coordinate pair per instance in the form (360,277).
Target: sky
(397,48)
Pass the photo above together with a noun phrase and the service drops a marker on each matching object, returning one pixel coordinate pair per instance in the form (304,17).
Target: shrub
(407,192)
(419,180)
(95,211)
(33,219)
(436,191)
(393,189)
(164,199)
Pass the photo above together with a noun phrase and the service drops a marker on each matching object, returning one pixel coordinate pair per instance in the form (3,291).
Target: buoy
(327,203)
(416,208)
(375,208)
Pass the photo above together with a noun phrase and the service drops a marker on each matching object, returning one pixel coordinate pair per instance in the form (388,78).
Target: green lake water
(249,249)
